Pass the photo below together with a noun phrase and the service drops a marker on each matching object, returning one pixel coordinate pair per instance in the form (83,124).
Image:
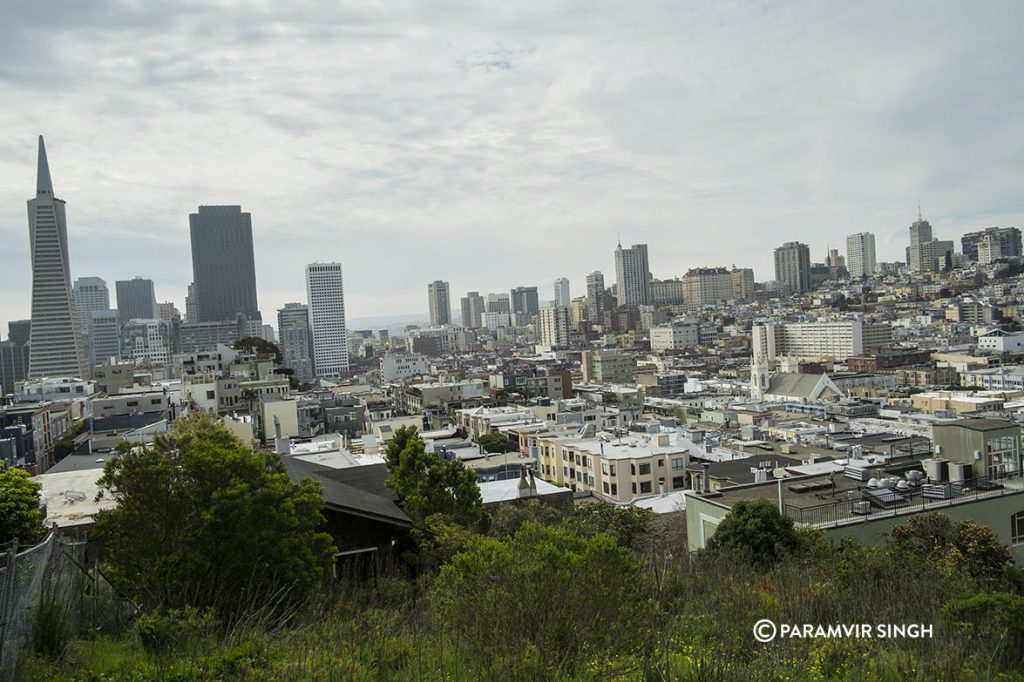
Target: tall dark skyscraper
(56,342)
(136,299)
(14,355)
(223,264)
(525,301)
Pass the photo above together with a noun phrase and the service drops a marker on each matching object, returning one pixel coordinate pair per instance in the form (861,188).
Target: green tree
(260,346)
(756,531)
(965,544)
(425,485)
(203,521)
(20,517)
(509,518)
(569,599)
(628,525)
(495,442)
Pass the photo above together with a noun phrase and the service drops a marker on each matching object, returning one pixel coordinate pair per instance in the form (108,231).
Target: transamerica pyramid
(56,341)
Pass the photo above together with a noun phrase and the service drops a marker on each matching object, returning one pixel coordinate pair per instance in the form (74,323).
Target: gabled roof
(358,490)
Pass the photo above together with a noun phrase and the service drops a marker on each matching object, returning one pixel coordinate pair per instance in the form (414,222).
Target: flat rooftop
(823,501)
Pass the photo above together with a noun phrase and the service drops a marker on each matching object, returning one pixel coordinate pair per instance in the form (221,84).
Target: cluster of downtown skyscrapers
(74,328)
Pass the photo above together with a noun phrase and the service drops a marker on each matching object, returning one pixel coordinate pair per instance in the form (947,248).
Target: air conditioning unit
(861,507)
(936,469)
(958,473)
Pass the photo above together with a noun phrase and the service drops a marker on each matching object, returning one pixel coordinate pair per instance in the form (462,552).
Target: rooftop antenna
(919,210)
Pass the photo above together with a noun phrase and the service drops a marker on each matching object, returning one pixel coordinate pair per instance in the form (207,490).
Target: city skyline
(544,137)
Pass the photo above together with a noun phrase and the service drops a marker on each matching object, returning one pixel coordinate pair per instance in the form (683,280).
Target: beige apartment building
(613,468)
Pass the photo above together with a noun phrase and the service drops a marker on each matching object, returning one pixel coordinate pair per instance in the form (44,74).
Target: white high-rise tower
(562,296)
(327,318)
(860,254)
(57,349)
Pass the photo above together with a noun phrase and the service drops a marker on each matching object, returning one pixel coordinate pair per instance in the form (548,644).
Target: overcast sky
(497,144)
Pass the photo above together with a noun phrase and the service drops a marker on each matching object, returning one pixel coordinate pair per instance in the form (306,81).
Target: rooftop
(984,424)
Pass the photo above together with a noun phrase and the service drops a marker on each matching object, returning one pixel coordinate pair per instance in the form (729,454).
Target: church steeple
(44,185)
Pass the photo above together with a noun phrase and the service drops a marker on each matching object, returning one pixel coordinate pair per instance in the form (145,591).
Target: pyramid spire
(43,183)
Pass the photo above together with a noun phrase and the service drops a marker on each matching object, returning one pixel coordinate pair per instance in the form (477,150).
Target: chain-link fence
(48,594)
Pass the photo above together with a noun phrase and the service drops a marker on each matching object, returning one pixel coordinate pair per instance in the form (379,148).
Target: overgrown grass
(692,619)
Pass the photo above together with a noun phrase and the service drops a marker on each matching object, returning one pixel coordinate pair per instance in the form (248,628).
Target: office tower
(91,294)
(20,331)
(56,339)
(498,303)
(1004,240)
(136,299)
(296,339)
(191,304)
(554,324)
(440,303)
(473,308)
(562,297)
(860,254)
(595,296)
(103,340)
(632,275)
(920,254)
(14,352)
(793,266)
(223,265)
(167,311)
(326,296)
(525,301)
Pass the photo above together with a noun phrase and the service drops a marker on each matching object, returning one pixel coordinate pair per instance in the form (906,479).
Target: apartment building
(675,336)
(620,469)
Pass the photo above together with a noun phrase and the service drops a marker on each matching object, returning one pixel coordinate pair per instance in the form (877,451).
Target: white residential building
(554,326)
(838,339)
(398,367)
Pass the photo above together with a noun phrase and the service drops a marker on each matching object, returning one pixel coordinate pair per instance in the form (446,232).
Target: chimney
(524,485)
(705,477)
(661,487)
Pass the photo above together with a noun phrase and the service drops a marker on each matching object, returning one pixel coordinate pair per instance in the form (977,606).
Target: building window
(615,489)
(1017,528)
(612,469)
(645,487)
(605,484)
(645,469)
(632,470)
(634,488)
(604,468)
(677,463)
(660,463)
(678,482)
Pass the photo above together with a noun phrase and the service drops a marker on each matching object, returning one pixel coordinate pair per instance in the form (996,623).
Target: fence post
(6,600)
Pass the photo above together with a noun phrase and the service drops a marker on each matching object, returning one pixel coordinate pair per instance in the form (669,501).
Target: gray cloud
(495,144)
